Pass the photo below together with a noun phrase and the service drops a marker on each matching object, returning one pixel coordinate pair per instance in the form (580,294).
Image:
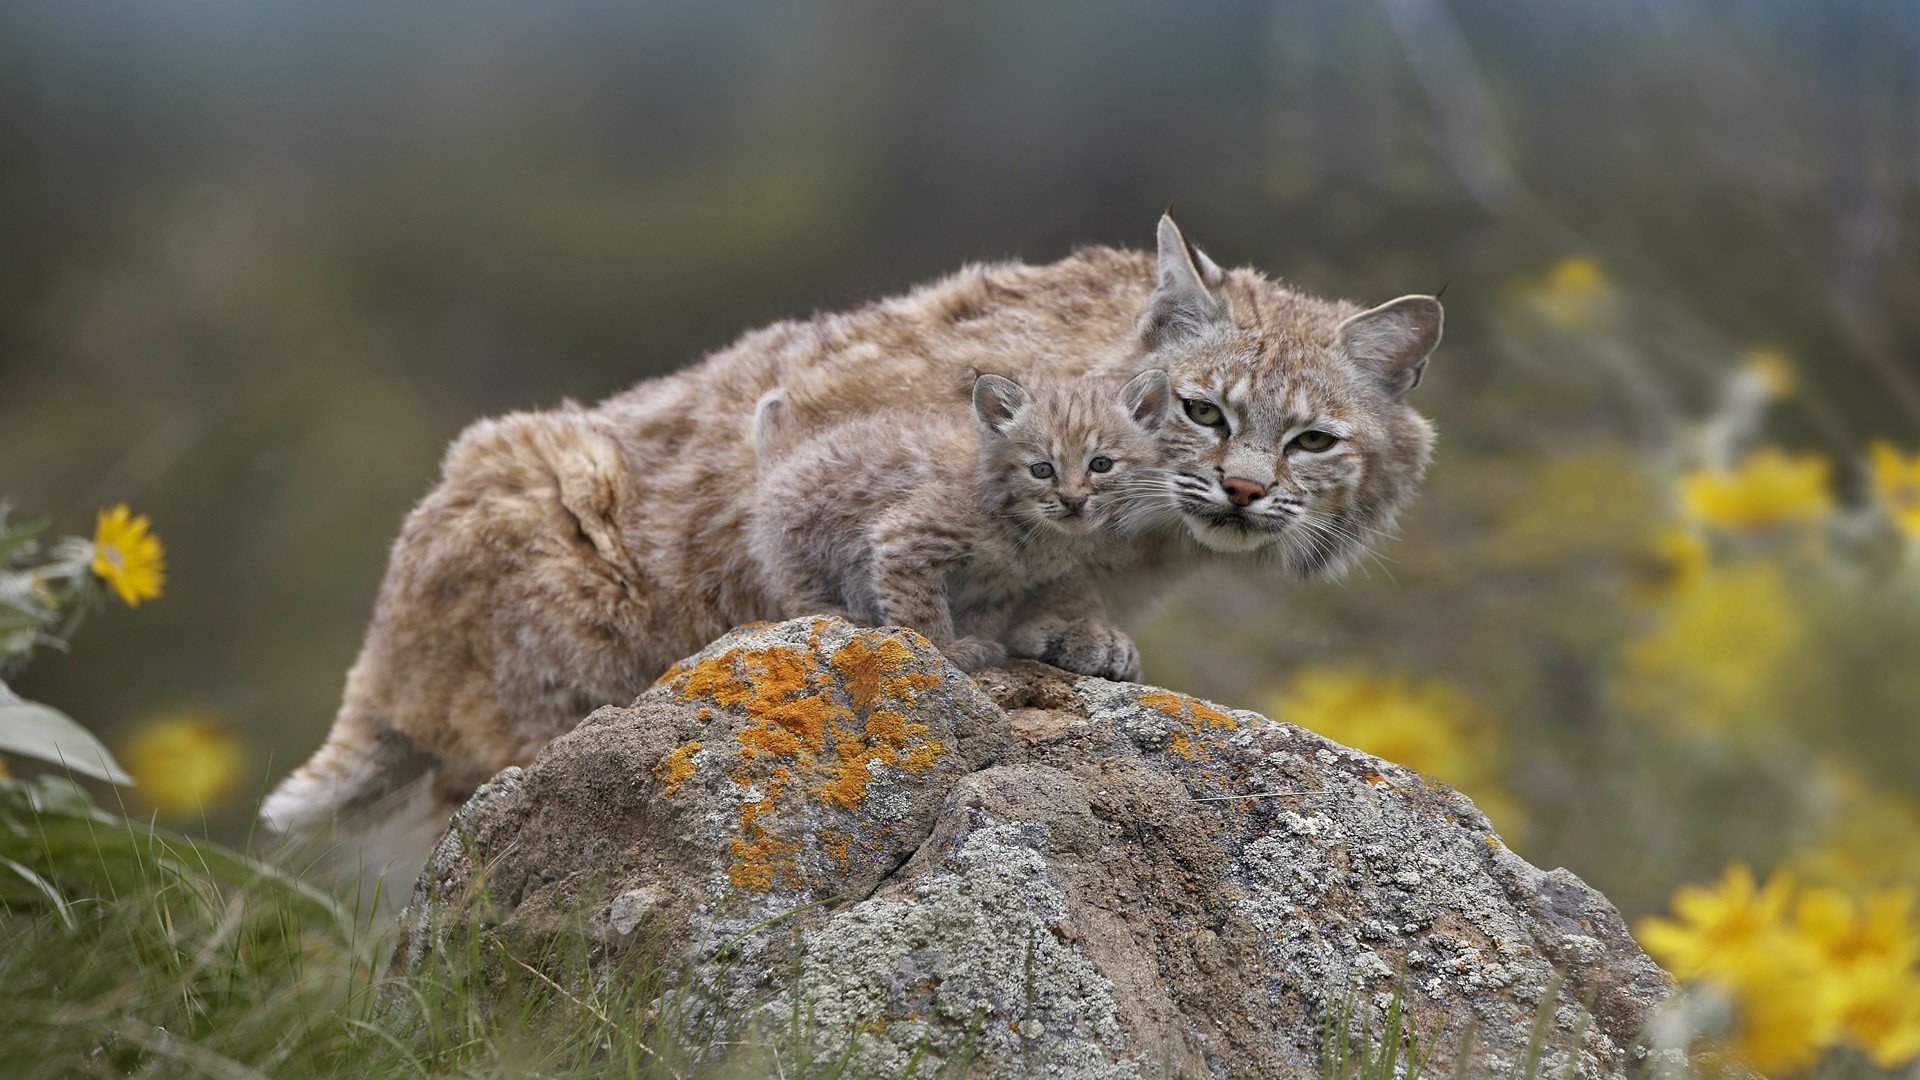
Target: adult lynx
(567,557)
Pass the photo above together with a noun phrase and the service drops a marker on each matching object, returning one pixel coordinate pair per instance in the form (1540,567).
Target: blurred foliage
(263,263)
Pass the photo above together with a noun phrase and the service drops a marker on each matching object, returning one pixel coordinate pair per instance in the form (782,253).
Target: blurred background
(1657,609)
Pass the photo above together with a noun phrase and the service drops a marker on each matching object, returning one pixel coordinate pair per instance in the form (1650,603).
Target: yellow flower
(1879,1012)
(1896,483)
(1769,489)
(1670,563)
(128,557)
(1879,932)
(1427,725)
(1575,294)
(1785,1014)
(1718,923)
(183,762)
(1869,950)
(1771,370)
(1716,651)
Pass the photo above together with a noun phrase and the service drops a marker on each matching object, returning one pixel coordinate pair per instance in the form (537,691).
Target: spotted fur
(568,556)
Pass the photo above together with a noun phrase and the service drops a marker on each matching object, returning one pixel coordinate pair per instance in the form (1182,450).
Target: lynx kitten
(947,524)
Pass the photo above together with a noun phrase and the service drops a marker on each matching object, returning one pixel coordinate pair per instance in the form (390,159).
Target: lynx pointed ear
(996,400)
(1182,305)
(1148,395)
(1394,340)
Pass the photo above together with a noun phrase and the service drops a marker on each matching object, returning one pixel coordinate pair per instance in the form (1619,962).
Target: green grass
(130,950)
(134,951)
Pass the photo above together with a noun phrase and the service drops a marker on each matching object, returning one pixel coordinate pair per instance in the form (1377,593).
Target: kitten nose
(1073,502)
(1241,492)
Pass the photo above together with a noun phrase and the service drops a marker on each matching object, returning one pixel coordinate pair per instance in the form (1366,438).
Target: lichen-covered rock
(1029,873)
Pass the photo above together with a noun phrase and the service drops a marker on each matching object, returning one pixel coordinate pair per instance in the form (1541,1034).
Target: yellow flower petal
(1768,490)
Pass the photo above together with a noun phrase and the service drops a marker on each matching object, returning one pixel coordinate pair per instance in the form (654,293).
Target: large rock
(1042,874)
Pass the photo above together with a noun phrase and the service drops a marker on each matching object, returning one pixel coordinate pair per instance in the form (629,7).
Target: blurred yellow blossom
(1769,489)
(1575,293)
(1786,1016)
(1802,973)
(1879,1012)
(127,556)
(1730,918)
(1896,483)
(1771,370)
(182,762)
(1428,725)
(1710,658)
(1670,563)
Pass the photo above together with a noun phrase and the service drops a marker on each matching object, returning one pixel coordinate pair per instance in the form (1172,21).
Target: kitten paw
(970,654)
(1082,646)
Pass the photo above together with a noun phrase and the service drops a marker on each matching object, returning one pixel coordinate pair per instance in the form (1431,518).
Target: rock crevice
(1038,873)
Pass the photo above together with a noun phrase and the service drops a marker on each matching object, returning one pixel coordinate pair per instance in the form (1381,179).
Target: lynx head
(1291,434)
(1072,457)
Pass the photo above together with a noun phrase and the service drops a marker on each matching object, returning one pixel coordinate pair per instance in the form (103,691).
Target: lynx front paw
(970,654)
(1082,646)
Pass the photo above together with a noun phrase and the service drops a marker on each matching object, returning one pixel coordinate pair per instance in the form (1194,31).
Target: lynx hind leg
(509,611)
(1084,646)
(528,577)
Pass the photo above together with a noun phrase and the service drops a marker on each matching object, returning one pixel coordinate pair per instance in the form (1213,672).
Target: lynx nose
(1241,492)
(1073,503)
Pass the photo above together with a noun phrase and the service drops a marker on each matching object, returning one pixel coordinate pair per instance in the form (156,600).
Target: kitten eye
(1315,442)
(1041,470)
(1101,464)
(1204,413)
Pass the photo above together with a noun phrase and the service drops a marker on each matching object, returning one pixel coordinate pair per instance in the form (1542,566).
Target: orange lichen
(714,678)
(759,858)
(922,757)
(1184,747)
(907,687)
(1212,717)
(1193,710)
(836,844)
(862,665)
(796,713)
(677,767)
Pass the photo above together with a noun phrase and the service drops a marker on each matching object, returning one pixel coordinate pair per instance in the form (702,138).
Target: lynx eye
(1315,442)
(1204,413)
(1101,464)
(1041,470)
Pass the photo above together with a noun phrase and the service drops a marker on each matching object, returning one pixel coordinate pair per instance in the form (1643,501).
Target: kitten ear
(1394,340)
(996,400)
(1182,305)
(1148,395)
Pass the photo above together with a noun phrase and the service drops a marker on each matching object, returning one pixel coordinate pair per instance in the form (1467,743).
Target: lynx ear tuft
(1183,303)
(1148,396)
(996,400)
(1394,340)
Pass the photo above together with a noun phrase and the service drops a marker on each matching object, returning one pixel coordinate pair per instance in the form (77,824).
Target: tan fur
(943,525)
(568,557)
